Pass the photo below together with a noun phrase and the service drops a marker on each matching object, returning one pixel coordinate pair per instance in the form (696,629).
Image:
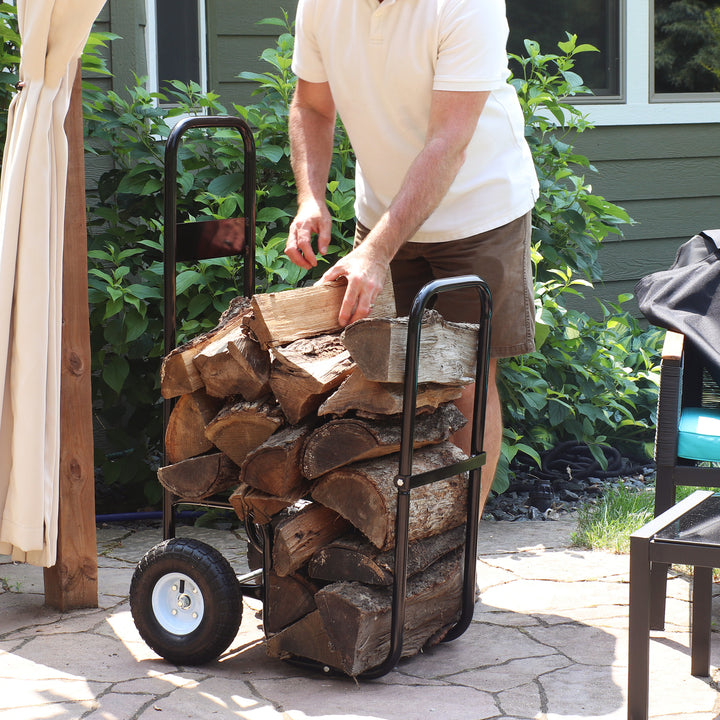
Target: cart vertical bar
(170,248)
(405,481)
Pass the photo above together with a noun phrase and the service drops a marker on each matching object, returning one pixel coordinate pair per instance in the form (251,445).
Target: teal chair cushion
(699,434)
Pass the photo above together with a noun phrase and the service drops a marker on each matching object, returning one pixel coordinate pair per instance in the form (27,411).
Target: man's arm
(311,126)
(453,120)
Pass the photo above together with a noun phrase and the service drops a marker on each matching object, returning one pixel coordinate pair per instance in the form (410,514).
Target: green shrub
(589,379)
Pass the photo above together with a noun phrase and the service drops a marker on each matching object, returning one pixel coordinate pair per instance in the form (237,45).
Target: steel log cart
(186,599)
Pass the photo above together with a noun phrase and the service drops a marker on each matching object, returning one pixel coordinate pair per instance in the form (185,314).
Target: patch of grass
(608,523)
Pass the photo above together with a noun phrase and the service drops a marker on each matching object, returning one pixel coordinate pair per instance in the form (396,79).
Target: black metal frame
(259,537)
(646,549)
(255,584)
(406,481)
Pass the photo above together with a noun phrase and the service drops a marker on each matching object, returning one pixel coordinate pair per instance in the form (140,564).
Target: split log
(199,477)
(357,618)
(372,399)
(351,558)
(275,466)
(304,639)
(341,442)
(365,494)
(448,351)
(305,372)
(261,507)
(243,426)
(300,535)
(289,598)
(185,432)
(282,317)
(234,364)
(178,374)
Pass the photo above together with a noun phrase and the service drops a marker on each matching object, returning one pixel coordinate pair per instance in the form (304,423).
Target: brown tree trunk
(351,558)
(341,442)
(289,598)
(365,494)
(373,399)
(243,426)
(199,477)
(282,317)
(448,351)
(234,364)
(305,372)
(178,374)
(302,534)
(275,466)
(185,431)
(357,618)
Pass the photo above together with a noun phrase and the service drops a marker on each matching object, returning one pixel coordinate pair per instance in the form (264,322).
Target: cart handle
(170,210)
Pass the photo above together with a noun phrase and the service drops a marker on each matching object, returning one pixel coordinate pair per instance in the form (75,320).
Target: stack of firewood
(301,420)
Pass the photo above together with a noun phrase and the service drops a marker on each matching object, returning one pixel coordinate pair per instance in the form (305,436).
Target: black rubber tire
(186,601)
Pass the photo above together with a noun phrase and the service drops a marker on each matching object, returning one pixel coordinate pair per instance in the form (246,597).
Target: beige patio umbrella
(32,203)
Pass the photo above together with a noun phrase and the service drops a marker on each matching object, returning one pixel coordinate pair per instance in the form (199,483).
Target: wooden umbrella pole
(72,581)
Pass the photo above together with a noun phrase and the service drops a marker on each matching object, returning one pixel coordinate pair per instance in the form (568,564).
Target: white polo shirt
(382,61)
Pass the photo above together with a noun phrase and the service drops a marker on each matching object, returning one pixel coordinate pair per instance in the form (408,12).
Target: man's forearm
(311,147)
(426,183)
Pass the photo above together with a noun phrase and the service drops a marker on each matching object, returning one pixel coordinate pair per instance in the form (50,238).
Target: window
(659,60)
(595,22)
(686,47)
(176,45)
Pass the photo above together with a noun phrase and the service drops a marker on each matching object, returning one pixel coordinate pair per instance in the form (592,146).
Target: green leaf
(271,214)
(185,280)
(115,371)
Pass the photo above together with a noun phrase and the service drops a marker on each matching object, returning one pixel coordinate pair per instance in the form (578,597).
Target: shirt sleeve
(307,61)
(472,47)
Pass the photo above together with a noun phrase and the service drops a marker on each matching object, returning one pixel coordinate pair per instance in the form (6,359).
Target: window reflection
(687,46)
(595,22)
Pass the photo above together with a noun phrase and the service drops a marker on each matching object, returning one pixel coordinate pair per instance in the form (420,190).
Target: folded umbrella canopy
(32,204)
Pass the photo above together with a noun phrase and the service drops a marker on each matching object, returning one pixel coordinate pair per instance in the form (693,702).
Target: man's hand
(311,219)
(365,272)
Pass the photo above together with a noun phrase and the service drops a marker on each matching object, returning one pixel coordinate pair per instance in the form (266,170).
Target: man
(445,180)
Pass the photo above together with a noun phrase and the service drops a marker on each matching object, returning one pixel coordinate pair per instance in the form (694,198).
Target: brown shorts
(501,257)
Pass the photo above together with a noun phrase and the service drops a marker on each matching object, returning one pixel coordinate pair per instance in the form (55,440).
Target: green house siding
(667,177)
(236,41)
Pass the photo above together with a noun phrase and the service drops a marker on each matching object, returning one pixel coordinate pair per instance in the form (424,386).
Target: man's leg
(493,429)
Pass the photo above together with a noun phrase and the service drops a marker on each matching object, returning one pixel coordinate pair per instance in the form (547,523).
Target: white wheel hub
(177,603)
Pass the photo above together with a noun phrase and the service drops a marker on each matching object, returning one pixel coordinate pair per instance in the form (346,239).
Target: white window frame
(151,45)
(637,105)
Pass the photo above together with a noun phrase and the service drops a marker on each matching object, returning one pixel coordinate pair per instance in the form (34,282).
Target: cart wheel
(186,601)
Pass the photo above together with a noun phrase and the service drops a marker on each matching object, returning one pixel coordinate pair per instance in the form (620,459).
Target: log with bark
(306,371)
(178,374)
(289,598)
(365,494)
(448,351)
(250,503)
(352,558)
(243,426)
(298,536)
(307,639)
(373,399)
(275,466)
(347,440)
(282,317)
(199,477)
(185,431)
(234,364)
(355,620)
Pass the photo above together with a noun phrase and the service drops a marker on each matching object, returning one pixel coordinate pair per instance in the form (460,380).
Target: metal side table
(686,534)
